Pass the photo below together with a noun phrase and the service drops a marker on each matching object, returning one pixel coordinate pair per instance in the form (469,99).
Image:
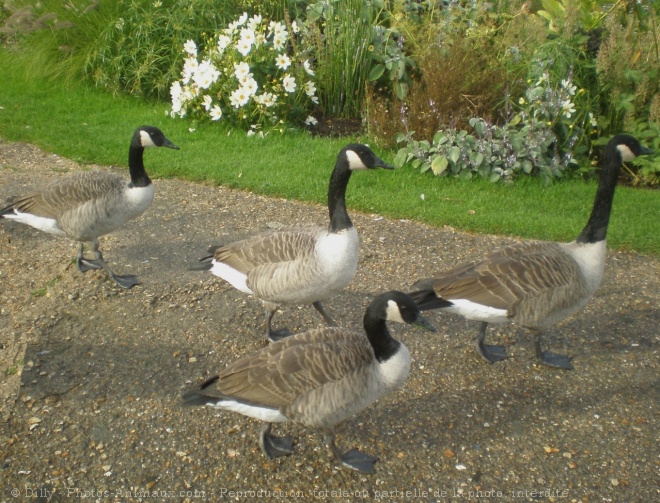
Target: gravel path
(92,375)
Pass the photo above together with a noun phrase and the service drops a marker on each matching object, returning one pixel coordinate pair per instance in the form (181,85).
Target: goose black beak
(167,143)
(422,322)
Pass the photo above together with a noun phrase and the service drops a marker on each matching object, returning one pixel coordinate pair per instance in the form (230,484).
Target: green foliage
(251,74)
(537,140)
(340,31)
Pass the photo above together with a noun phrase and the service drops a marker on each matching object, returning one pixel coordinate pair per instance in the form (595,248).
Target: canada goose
(303,264)
(87,205)
(317,378)
(534,284)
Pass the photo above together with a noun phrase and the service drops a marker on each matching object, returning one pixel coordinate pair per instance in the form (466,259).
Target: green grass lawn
(90,126)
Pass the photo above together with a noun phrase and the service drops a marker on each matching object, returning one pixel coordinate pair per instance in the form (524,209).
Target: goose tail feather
(197,397)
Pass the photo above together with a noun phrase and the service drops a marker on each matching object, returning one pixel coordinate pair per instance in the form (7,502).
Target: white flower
(282,62)
(247,35)
(308,68)
(310,89)
(249,85)
(294,26)
(189,68)
(254,22)
(242,19)
(566,84)
(207,101)
(241,70)
(244,47)
(592,119)
(266,99)
(276,27)
(215,113)
(568,108)
(158,4)
(315,100)
(289,83)
(223,43)
(279,40)
(190,47)
(250,132)
(206,74)
(311,121)
(239,97)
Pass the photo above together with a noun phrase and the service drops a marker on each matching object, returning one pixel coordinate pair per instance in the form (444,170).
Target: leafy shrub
(526,144)
(247,77)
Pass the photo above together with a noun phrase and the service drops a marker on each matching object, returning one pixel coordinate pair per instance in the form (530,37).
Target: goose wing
(68,193)
(510,276)
(282,372)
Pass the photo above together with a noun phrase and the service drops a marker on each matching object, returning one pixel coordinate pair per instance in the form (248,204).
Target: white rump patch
(479,312)
(626,154)
(354,161)
(235,278)
(263,413)
(48,225)
(393,312)
(145,139)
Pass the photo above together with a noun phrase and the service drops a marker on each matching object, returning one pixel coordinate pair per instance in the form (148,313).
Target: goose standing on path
(534,284)
(303,264)
(318,378)
(90,204)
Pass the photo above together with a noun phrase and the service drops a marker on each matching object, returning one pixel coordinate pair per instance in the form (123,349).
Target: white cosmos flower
(308,68)
(294,26)
(282,62)
(276,27)
(311,121)
(315,99)
(190,47)
(289,83)
(239,97)
(568,108)
(241,70)
(247,35)
(279,40)
(223,43)
(215,113)
(250,85)
(310,89)
(566,84)
(189,68)
(207,101)
(206,74)
(266,99)
(254,22)
(242,19)
(244,47)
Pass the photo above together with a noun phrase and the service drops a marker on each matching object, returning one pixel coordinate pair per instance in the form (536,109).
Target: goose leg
(274,335)
(548,358)
(326,317)
(85,264)
(491,354)
(274,447)
(127,281)
(353,459)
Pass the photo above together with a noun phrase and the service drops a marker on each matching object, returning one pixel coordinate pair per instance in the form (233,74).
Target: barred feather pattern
(88,204)
(318,378)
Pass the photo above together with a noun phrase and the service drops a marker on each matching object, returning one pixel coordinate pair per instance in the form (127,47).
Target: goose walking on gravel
(534,284)
(317,378)
(303,264)
(87,205)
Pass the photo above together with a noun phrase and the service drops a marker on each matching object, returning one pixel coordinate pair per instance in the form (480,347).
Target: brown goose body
(535,284)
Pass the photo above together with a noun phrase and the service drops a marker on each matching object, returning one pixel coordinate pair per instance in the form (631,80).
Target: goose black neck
(385,346)
(596,228)
(339,219)
(139,177)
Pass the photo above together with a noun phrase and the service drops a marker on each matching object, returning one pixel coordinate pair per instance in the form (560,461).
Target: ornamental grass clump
(250,75)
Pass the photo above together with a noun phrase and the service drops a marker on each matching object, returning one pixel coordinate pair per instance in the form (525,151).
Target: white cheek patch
(145,139)
(393,312)
(626,154)
(354,161)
